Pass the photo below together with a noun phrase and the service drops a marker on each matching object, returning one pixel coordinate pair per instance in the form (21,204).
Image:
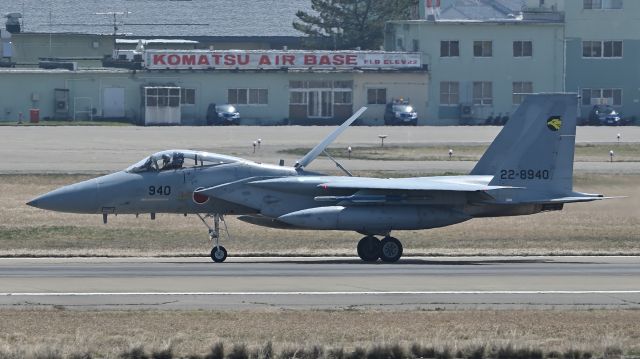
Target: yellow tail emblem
(554,123)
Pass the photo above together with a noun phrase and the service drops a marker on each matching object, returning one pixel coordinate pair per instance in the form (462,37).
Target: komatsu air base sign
(248,60)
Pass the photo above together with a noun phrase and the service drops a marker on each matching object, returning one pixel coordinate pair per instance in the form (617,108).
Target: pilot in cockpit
(174,161)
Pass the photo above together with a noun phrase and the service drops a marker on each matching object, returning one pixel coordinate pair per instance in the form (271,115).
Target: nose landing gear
(389,249)
(218,253)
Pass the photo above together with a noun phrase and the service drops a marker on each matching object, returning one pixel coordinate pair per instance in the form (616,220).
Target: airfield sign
(269,59)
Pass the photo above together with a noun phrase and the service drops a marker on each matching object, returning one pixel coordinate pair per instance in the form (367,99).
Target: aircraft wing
(408,184)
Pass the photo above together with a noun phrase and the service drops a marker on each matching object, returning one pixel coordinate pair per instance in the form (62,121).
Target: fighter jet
(527,169)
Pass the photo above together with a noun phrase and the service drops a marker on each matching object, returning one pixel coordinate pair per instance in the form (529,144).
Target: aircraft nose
(76,198)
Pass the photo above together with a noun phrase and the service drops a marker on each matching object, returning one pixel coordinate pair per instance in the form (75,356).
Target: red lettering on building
(216,58)
(158,60)
(324,60)
(288,60)
(352,60)
(229,60)
(189,60)
(309,59)
(264,60)
(338,60)
(173,60)
(203,60)
(243,59)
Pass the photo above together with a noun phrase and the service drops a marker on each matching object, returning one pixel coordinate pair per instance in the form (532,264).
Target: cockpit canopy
(176,159)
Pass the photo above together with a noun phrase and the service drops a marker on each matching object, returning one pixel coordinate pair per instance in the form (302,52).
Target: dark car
(400,114)
(604,115)
(221,115)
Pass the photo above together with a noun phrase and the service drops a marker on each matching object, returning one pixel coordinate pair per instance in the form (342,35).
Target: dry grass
(109,333)
(625,152)
(606,227)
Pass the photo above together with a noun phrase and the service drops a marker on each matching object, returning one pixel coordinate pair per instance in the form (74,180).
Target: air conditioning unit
(466,111)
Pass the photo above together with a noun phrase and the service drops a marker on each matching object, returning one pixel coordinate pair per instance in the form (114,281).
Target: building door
(113,102)
(320,104)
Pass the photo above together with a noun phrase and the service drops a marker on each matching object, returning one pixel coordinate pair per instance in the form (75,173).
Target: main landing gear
(389,249)
(218,253)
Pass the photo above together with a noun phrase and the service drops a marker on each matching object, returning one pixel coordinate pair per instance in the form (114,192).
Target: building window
(342,98)
(376,96)
(602,49)
(416,45)
(522,48)
(612,49)
(297,84)
(237,96)
(188,96)
(449,93)
(449,48)
(162,97)
(345,85)
(602,4)
(299,91)
(482,48)
(520,90)
(297,98)
(591,49)
(591,97)
(248,96)
(258,97)
(483,93)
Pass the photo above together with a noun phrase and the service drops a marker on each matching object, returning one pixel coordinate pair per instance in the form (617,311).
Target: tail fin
(535,149)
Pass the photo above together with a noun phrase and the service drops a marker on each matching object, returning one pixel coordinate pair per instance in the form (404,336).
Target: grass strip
(370,334)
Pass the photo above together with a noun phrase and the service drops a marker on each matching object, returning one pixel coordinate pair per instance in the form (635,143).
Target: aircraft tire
(218,254)
(369,249)
(390,250)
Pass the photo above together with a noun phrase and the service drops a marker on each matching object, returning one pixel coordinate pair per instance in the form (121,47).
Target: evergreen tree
(347,24)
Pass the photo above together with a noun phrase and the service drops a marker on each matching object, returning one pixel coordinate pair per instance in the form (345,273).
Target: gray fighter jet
(527,169)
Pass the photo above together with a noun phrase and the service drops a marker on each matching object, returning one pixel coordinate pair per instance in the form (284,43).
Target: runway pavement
(321,283)
(105,149)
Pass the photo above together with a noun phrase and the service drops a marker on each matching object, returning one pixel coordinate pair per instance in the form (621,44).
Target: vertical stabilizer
(535,149)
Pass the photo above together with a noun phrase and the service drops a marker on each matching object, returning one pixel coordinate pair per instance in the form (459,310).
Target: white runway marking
(79,294)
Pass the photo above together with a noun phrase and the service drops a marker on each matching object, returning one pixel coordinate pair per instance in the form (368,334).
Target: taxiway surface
(321,283)
(105,149)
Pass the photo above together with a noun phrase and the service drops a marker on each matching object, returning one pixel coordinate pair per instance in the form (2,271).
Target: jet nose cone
(76,198)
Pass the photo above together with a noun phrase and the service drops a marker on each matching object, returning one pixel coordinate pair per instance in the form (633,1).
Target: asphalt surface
(105,149)
(321,283)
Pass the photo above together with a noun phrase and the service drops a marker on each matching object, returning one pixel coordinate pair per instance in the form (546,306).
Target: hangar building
(267,87)
(301,93)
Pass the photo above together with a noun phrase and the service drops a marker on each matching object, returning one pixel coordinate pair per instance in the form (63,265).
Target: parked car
(222,115)
(400,113)
(604,115)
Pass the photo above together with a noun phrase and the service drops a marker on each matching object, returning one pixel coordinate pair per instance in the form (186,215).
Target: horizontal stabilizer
(572,199)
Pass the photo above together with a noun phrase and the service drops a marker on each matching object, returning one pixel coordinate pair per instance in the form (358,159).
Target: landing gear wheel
(369,249)
(390,250)
(218,254)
